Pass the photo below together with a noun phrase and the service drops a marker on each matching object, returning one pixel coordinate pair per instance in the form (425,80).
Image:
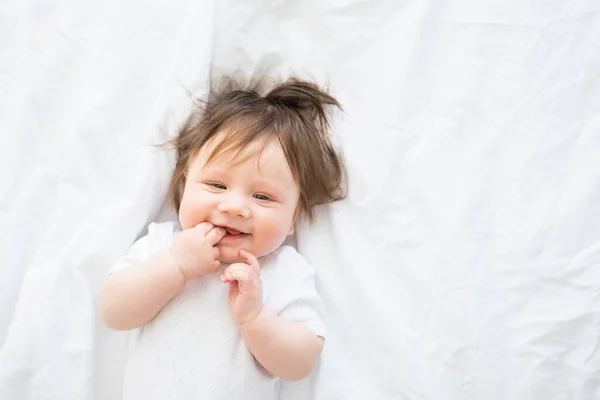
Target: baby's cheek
(229,255)
(189,216)
(184,219)
(274,234)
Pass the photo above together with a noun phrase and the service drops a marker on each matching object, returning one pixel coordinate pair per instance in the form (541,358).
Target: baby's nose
(234,207)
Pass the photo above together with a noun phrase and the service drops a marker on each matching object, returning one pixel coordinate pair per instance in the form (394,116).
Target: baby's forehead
(260,153)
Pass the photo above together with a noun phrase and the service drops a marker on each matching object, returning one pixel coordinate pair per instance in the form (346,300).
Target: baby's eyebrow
(272,185)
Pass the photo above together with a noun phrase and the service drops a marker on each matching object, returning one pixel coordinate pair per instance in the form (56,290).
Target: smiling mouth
(232,236)
(232,232)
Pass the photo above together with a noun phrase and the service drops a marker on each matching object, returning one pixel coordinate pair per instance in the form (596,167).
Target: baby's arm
(284,348)
(132,297)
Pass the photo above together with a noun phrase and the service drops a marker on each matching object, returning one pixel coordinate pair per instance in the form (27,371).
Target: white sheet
(464,263)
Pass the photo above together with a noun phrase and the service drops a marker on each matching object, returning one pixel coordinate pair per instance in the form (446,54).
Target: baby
(224,308)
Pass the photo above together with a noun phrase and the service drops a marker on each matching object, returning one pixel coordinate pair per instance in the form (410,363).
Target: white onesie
(193,349)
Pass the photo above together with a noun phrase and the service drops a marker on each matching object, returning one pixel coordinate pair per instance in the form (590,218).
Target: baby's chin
(230,255)
(231,260)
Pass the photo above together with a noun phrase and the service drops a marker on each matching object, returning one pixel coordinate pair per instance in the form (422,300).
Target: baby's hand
(245,288)
(195,250)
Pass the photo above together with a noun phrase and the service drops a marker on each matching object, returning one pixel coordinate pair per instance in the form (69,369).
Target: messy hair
(296,113)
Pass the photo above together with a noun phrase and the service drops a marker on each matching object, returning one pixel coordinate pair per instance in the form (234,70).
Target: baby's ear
(297,214)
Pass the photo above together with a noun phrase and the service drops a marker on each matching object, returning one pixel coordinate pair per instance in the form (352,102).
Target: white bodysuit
(193,349)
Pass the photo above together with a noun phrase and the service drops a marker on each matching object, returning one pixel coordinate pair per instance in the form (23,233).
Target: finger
(238,266)
(216,252)
(234,267)
(250,260)
(215,235)
(241,275)
(240,272)
(204,227)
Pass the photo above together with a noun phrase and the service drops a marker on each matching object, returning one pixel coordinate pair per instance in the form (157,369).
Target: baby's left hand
(245,288)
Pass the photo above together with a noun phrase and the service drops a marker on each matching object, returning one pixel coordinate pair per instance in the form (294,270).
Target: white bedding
(464,263)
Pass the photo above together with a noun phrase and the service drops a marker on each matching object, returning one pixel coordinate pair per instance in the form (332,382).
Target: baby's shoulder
(286,261)
(287,278)
(159,236)
(164,229)
(284,254)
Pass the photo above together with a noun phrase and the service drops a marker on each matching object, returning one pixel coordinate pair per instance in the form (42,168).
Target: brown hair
(294,112)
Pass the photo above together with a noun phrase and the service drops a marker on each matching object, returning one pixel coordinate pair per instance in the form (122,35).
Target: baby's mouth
(232,232)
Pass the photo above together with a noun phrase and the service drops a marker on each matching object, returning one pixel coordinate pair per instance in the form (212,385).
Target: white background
(464,263)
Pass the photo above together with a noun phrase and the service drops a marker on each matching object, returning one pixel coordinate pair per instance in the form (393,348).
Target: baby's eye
(218,186)
(262,197)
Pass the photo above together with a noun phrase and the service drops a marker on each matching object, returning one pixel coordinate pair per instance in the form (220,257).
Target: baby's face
(255,200)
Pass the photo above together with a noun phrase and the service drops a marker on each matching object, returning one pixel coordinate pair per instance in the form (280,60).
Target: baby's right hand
(195,250)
